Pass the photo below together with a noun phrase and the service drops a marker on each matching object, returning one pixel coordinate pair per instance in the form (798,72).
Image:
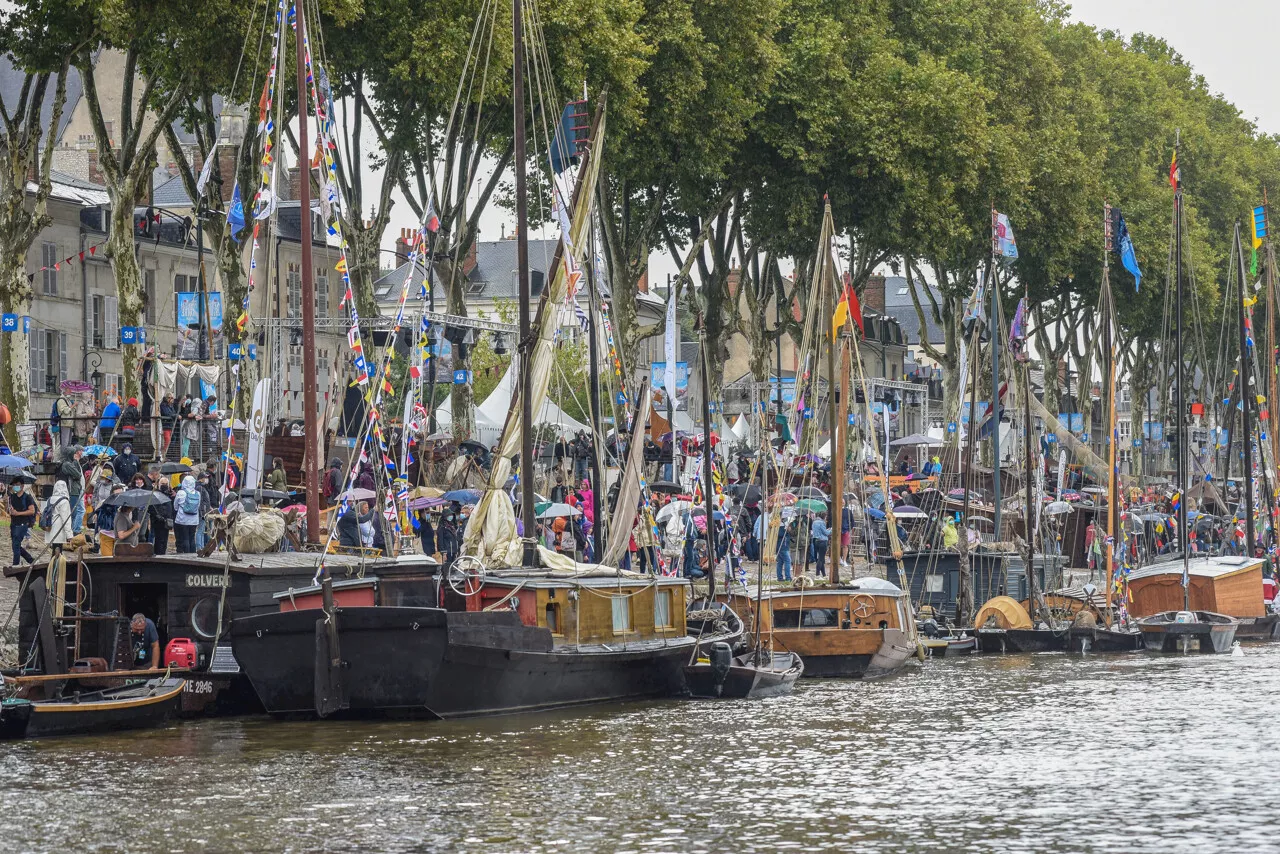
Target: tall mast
(1108,309)
(833,421)
(1246,399)
(522,264)
(1270,361)
(593,403)
(312,420)
(1179,401)
(964,596)
(708,484)
(995,375)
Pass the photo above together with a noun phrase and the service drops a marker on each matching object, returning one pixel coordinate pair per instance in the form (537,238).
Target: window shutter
(35,358)
(62,356)
(112,324)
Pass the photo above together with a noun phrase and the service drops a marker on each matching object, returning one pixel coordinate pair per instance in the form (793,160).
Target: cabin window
(662,609)
(809,618)
(933,584)
(553,618)
(204,617)
(621,614)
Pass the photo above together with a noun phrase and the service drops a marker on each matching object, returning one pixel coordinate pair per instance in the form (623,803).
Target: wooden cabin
(596,608)
(934,577)
(1224,585)
(181,594)
(860,630)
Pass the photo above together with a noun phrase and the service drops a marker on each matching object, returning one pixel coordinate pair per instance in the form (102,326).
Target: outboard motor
(721,660)
(929,628)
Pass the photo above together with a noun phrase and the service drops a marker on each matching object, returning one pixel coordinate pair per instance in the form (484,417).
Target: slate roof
(11,87)
(495,261)
(898,304)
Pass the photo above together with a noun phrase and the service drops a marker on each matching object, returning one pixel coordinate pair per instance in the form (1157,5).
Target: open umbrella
(810,492)
(811,504)
(75,386)
(785,499)
(666,487)
(10,464)
(426,503)
(747,493)
(138,498)
(462,496)
(671,510)
(358,494)
(174,468)
(907,511)
(915,439)
(99,451)
(558,509)
(267,494)
(1057,508)
(472,445)
(426,492)
(440,437)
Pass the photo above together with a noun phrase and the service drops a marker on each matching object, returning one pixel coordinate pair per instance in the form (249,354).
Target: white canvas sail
(257,433)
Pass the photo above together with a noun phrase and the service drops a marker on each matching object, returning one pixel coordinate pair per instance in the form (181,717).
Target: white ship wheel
(863,605)
(466,575)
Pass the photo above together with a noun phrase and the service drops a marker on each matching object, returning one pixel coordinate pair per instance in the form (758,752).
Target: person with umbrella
(162,516)
(21,508)
(126,528)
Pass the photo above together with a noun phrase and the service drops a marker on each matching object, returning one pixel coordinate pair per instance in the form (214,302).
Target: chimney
(227,171)
(469,263)
(404,244)
(643,285)
(295,183)
(733,280)
(873,294)
(95,174)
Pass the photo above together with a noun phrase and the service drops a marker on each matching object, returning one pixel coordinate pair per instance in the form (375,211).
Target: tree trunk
(124,266)
(462,397)
(363,249)
(15,379)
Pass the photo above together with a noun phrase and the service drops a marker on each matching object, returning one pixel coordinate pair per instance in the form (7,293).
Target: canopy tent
(741,428)
(498,404)
(487,431)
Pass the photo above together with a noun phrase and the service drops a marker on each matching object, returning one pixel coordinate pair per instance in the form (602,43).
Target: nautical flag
(1175,173)
(1124,247)
(415,372)
(1003,241)
(583,320)
(235,216)
(362,374)
(1259,232)
(387,387)
(341,266)
(432,221)
(353,339)
(206,171)
(1018,332)
(846,308)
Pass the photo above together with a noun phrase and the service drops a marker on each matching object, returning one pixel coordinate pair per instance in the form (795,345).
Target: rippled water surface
(1024,753)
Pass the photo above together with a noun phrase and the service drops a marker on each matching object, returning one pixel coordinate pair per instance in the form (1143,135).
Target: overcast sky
(1227,41)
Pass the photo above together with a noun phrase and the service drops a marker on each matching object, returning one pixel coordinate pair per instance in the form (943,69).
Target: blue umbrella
(99,451)
(9,464)
(462,496)
(875,514)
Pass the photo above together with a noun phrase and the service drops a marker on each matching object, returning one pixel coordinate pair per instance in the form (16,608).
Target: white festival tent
(498,403)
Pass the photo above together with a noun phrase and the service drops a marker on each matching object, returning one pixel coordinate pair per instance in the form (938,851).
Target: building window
(293,281)
(149,292)
(48,360)
(322,293)
(98,325)
(662,609)
(621,614)
(49,276)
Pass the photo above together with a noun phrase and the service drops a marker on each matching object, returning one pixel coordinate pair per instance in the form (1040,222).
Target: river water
(1038,753)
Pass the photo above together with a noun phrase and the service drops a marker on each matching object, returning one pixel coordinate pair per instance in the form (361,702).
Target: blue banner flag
(235,216)
(1124,247)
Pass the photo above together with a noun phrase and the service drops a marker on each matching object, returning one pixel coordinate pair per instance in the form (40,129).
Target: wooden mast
(1272,395)
(1108,315)
(530,551)
(833,416)
(1246,399)
(312,421)
(1179,397)
(964,596)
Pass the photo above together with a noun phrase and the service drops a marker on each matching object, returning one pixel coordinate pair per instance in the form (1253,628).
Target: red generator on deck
(180,652)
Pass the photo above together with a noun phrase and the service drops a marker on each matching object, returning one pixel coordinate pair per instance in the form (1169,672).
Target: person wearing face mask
(22,515)
(447,537)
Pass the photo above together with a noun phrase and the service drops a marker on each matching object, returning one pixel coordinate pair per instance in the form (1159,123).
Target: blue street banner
(128,335)
(253,351)
(235,352)
(9,323)
(461,377)
(26,324)
(657,373)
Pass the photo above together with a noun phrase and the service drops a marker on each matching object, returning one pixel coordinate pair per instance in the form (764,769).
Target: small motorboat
(1102,639)
(137,706)
(1188,631)
(944,646)
(752,675)
(711,622)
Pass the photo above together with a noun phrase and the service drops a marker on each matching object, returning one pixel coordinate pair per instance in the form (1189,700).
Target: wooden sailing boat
(510,627)
(861,629)
(1112,636)
(1183,629)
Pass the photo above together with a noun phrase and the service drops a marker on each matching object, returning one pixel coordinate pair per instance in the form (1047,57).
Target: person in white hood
(186,507)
